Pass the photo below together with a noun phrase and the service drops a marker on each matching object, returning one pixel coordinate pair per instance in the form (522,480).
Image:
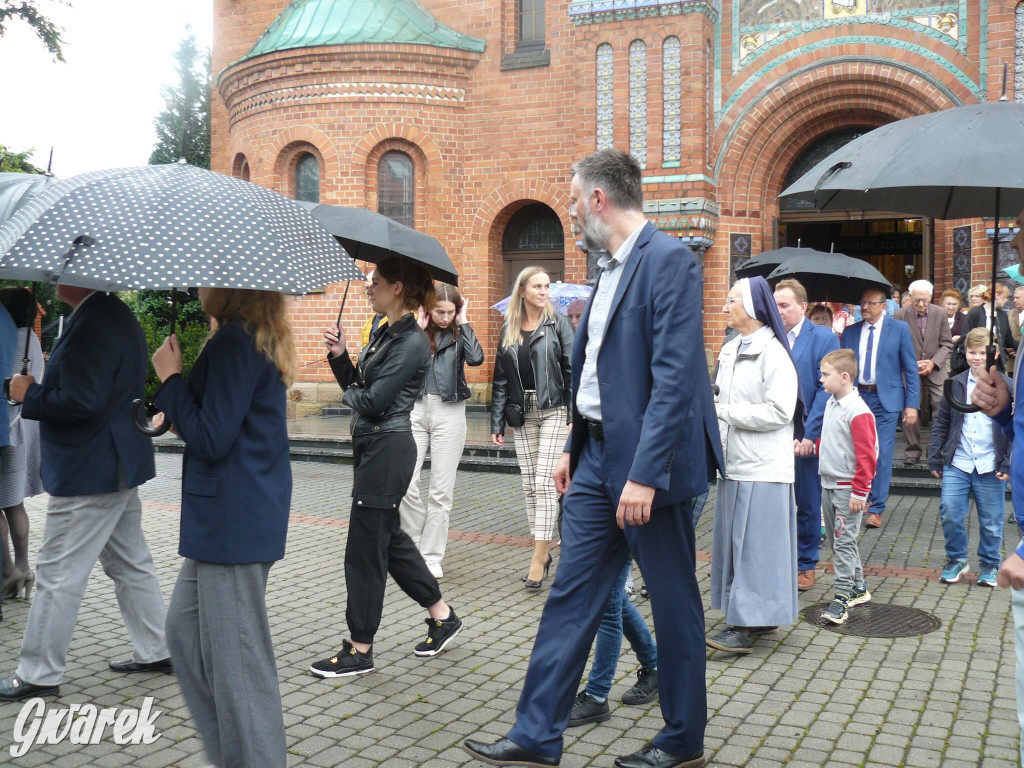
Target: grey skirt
(753,555)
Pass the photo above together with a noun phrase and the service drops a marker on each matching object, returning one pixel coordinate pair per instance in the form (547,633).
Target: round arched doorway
(533,237)
(893,243)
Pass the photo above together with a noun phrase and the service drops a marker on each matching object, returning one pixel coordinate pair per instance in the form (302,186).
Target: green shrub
(153,310)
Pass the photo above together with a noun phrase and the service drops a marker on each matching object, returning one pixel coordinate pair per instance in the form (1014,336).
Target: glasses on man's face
(871,303)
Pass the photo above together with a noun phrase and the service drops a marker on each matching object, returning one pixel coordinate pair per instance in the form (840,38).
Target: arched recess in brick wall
(420,181)
(761,144)
(288,149)
(426,157)
(240,167)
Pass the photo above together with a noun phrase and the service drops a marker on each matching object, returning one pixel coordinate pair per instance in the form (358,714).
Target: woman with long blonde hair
(531,392)
(236,493)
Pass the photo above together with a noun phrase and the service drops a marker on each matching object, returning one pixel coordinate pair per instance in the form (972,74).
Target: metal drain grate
(876,620)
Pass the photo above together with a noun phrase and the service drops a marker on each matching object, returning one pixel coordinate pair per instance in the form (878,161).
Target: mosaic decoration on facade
(672,94)
(709,126)
(759,25)
(597,11)
(1018,54)
(605,96)
(1007,256)
(739,254)
(638,101)
(962,260)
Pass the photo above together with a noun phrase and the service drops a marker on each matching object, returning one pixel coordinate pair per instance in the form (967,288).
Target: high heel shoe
(12,585)
(531,584)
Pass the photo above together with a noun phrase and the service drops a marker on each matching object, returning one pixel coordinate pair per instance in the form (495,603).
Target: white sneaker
(435,570)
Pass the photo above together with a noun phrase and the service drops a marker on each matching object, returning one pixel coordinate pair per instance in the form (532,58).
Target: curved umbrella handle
(947,385)
(141,420)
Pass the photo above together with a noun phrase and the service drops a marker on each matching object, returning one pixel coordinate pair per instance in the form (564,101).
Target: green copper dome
(312,23)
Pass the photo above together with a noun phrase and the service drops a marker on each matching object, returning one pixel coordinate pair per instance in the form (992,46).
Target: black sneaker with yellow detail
(348,661)
(440,632)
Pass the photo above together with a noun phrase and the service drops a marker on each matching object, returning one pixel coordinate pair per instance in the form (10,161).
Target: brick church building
(461,118)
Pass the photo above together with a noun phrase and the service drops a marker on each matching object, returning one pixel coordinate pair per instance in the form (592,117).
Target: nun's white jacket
(757,395)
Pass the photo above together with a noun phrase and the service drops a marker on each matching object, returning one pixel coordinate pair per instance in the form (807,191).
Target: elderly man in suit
(933,344)
(93,462)
(1016,318)
(809,343)
(888,380)
(644,444)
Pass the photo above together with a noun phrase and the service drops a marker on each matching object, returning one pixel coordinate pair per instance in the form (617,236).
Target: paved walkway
(805,697)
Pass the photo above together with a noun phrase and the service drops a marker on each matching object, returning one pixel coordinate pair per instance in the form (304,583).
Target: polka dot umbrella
(169,226)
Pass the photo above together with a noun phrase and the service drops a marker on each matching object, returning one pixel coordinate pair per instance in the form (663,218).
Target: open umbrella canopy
(764,263)
(167,226)
(831,276)
(17,188)
(562,295)
(948,165)
(371,236)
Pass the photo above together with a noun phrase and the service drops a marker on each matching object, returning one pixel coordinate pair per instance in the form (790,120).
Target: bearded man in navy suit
(889,383)
(644,444)
(809,343)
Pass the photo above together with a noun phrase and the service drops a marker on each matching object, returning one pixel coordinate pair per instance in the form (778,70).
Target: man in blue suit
(644,444)
(809,343)
(93,461)
(888,381)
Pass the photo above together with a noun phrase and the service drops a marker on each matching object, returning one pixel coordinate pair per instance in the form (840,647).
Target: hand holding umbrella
(167,359)
(19,386)
(334,340)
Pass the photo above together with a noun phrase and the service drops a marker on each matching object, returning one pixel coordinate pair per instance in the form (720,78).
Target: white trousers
(79,531)
(1018,641)
(539,445)
(441,427)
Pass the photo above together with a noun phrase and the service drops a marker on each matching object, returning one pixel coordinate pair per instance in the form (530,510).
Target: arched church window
(605,96)
(638,101)
(307,178)
(396,187)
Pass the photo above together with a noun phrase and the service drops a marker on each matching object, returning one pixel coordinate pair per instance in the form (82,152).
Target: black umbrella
(831,276)
(167,227)
(371,236)
(764,263)
(958,163)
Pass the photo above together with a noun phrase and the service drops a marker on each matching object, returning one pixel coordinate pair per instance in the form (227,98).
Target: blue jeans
(620,618)
(990,499)
(885,427)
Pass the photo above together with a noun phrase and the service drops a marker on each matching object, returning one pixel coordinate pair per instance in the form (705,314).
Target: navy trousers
(885,427)
(808,512)
(594,550)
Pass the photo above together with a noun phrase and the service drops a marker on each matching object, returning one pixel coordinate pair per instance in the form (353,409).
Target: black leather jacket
(450,359)
(551,355)
(382,387)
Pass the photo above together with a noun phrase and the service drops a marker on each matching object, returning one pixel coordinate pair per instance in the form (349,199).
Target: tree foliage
(153,310)
(183,129)
(17,162)
(28,11)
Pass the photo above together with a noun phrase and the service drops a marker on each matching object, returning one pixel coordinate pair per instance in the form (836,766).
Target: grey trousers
(219,635)
(79,530)
(843,529)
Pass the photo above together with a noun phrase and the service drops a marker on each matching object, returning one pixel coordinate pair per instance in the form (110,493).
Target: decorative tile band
(598,11)
(671,100)
(605,96)
(638,101)
(682,178)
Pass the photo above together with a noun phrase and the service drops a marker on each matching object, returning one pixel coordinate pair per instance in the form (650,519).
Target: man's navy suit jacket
(896,377)
(96,369)
(8,351)
(813,343)
(657,409)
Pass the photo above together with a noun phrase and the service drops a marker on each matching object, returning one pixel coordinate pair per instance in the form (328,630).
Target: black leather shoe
(127,667)
(13,688)
(652,757)
(505,752)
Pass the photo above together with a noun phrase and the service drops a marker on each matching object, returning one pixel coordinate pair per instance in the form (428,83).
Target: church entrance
(533,237)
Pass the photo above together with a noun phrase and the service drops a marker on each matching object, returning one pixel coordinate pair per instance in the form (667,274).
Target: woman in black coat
(381,390)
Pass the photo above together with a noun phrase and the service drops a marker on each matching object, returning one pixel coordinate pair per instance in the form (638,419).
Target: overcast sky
(97,109)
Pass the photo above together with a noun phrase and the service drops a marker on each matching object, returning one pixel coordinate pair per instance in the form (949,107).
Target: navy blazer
(899,385)
(8,353)
(813,343)
(948,426)
(96,369)
(657,410)
(236,477)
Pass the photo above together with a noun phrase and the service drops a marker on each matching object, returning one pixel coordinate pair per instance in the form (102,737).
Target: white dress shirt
(862,356)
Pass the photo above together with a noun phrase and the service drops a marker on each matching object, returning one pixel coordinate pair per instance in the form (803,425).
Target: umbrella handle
(947,385)
(141,420)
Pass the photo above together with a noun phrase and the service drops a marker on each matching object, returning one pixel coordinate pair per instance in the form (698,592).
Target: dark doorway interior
(893,246)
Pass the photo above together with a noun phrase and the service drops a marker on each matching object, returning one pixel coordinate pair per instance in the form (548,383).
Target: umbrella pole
(343,300)
(995,274)
(174,311)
